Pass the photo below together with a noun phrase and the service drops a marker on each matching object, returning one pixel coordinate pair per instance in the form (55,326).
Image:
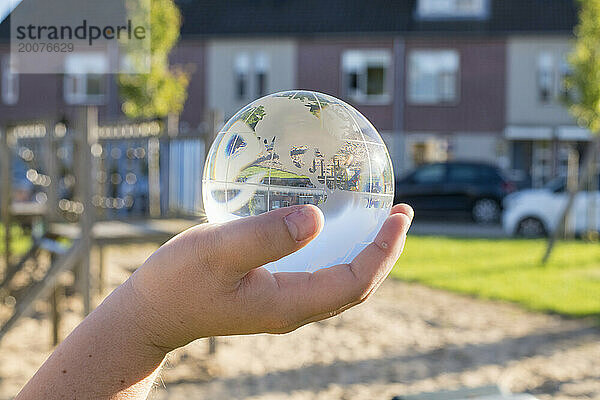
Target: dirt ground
(406,339)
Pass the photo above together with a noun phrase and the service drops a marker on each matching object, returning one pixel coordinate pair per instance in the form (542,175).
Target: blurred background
(473,100)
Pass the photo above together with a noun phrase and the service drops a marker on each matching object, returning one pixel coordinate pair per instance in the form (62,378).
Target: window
(552,70)
(490,175)
(85,78)
(545,77)
(251,72)
(452,9)
(434,173)
(557,185)
(261,68)
(10,81)
(565,72)
(433,76)
(365,75)
(541,163)
(241,71)
(463,173)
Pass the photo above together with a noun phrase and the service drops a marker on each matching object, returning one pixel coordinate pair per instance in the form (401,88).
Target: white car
(536,212)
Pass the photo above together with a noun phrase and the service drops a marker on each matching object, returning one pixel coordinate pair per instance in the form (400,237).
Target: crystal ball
(302,147)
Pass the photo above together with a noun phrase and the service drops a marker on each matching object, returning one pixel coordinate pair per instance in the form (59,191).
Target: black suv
(456,188)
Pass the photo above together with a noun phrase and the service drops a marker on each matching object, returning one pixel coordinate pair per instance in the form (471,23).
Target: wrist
(139,319)
(148,324)
(158,313)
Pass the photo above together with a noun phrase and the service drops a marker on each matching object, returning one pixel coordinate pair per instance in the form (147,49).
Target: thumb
(248,243)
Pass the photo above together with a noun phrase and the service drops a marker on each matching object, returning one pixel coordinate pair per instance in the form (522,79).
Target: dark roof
(5,29)
(534,15)
(314,17)
(294,16)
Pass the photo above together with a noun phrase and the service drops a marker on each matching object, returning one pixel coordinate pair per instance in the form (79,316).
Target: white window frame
(241,71)
(415,98)
(10,81)
(261,66)
(565,70)
(77,69)
(545,71)
(358,61)
(452,9)
(553,67)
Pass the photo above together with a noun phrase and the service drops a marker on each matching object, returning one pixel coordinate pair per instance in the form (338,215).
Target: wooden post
(154,177)
(100,186)
(214,122)
(5,195)
(165,174)
(172,125)
(52,171)
(55,305)
(101,271)
(87,131)
(64,262)
(172,129)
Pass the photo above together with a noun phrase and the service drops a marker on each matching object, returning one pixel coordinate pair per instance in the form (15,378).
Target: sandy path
(406,339)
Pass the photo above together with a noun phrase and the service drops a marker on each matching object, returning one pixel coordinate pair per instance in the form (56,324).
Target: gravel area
(406,339)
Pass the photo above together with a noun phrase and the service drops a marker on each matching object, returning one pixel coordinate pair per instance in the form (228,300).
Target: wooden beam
(154,177)
(101,271)
(87,130)
(5,195)
(214,121)
(11,271)
(42,288)
(51,163)
(55,303)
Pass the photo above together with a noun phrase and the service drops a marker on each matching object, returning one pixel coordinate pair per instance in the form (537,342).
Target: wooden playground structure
(86,203)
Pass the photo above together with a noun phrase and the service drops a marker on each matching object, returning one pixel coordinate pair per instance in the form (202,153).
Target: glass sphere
(302,147)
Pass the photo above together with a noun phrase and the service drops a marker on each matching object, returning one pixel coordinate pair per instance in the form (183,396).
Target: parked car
(536,212)
(457,188)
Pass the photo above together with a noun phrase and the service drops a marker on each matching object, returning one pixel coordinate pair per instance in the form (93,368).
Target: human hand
(207,281)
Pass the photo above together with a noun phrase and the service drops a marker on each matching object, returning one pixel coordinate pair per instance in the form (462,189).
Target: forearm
(108,356)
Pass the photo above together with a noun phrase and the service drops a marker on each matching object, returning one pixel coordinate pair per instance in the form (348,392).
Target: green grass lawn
(508,270)
(495,269)
(21,241)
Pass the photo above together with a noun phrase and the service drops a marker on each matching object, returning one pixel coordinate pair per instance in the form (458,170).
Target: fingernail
(302,224)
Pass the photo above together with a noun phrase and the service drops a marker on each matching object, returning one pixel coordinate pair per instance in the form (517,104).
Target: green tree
(163,90)
(583,99)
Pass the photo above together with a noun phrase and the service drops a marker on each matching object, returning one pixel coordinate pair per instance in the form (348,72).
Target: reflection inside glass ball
(302,147)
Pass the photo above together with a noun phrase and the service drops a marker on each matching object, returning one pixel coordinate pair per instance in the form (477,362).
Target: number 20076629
(45,47)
